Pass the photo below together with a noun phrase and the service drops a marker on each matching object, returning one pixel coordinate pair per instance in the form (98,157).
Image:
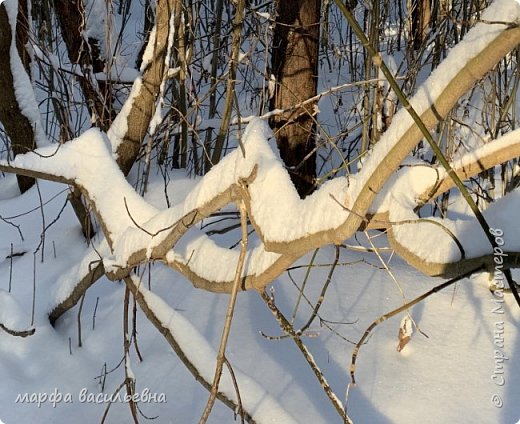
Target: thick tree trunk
(421,16)
(295,67)
(144,103)
(16,124)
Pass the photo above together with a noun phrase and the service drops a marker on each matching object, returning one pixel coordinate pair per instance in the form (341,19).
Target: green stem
(378,60)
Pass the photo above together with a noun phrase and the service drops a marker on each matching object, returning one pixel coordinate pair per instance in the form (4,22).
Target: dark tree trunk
(16,124)
(295,67)
(421,16)
(85,53)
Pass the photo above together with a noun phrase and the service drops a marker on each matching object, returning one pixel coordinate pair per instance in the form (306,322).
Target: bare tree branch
(85,52)
(17,333)
(143,104)
(17,125)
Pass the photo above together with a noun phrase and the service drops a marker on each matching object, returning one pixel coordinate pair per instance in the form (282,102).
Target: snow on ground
(452,376)
(463,372)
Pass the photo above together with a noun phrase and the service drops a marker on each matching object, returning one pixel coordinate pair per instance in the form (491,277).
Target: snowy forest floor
(451,376)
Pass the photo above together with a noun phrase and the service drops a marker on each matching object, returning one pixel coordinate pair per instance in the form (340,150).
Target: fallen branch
(17,333)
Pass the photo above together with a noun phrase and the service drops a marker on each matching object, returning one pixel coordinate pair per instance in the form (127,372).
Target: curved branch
(451,269)
(473,163)
(17,333)
(284,241)
(397,143)
(168,236)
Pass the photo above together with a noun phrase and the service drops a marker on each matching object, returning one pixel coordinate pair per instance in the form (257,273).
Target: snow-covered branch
(287,226)
(476,161)
(18,109)
(131,124)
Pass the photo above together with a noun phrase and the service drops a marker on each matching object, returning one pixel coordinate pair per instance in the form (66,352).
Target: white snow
(22,84)
(203,356)
(449,377)
(117,131)
(470,46)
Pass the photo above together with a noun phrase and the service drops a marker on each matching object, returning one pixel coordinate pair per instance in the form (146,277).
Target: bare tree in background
(295,68)
(184,50)
(86,53)
(420,21)
(16,124)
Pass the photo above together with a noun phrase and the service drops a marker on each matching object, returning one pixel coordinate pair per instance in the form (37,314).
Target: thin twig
(129,379)
(393,277)
(44,227)
(322,294)
(134,330)
(94,314)
(79,318)
(34,290)
(11,268)
(229,315)
(105,414)
(13,225)
(311,100)
(237,391)
(404,307)
(302,289)
(286,327)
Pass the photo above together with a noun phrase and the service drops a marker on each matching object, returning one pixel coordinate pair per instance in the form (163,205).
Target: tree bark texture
(295,67)
(144,104)
(421,16)
(71,15)
(16,124)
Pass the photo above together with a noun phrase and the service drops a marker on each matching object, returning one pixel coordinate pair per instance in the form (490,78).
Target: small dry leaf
(405,333)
